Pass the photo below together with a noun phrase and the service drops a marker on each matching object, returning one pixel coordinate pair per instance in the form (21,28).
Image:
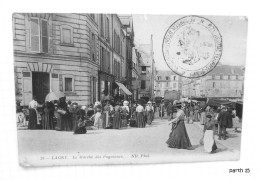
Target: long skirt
(106,119)
(203,118)
(46,120)
(32,119)
(98,121)
(209,142)
(196,116)
(178,137)
(149,117)
(117,122)
(59,125)
(66,122)
(140,120)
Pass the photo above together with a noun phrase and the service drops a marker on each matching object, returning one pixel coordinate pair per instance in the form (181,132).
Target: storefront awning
(124,88)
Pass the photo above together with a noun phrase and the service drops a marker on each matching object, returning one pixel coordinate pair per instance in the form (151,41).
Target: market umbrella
(54,96)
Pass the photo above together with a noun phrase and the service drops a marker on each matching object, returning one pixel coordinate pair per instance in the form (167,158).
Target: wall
(73,60)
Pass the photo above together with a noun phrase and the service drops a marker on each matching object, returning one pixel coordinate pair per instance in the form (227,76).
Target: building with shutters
(56,52)
(112,70)
(128,28)
(147,74)
(224,81)
(166,81)
(105,74)
(136,73)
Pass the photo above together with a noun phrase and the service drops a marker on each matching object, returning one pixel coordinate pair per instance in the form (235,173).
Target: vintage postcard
(98,89)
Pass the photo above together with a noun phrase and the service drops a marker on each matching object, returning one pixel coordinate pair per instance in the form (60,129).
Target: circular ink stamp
(192,46)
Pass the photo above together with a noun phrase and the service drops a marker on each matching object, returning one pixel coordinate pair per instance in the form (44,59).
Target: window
(107,29)
(68,87)
(159,77)
(102,25)
(167,78)
(174,78)
(229,77)
(93,89)
(104,60)
(142,84)
(66,35)
(236,77)
(143,70)
(213,85)
(213,76)
(39,35)
(174,85)
(93,47)
(167,84)
(116,42)
(221,76)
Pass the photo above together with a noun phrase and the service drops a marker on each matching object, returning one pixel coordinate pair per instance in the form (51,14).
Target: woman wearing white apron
(208,139)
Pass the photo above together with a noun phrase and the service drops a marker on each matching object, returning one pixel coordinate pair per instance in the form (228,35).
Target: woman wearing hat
(179,137)
(208,137)
(140,116)
(149,109)
(117,121)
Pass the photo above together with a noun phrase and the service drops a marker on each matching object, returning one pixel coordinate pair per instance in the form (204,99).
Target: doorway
(40,85)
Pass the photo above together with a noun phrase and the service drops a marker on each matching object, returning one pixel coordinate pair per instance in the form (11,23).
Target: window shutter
(55,82)
(44,36)
(35,35)
(27,87)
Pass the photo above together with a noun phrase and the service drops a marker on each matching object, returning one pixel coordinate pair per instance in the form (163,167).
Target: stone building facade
(166,81)
(56,52)
(147,65)
(224,81)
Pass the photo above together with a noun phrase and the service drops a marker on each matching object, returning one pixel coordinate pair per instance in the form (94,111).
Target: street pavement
(233,140)
(130,142)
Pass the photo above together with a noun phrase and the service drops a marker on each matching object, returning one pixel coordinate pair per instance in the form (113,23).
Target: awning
(124,88)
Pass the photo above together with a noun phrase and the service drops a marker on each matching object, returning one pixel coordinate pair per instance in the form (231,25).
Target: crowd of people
(214,119)
(62,115)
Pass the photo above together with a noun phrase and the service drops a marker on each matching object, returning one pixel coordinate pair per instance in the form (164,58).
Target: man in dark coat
(225,121)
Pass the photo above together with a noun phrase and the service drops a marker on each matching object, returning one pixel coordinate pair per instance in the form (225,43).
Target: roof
(145,52)
(228,70)
(163,74)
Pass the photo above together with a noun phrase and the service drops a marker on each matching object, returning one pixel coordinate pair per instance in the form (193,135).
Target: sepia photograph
(99,89)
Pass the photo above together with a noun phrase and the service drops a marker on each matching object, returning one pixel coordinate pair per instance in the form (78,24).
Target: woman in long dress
(108,110)
(46,116)
(178,137)
(203,117)
(33,114)
(149,109)
(208,138)
(117,122)
(140,116)
(196,113)
(97,117)
(125,113)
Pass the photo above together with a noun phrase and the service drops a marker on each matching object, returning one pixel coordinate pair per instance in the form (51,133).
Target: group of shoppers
(62,115)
